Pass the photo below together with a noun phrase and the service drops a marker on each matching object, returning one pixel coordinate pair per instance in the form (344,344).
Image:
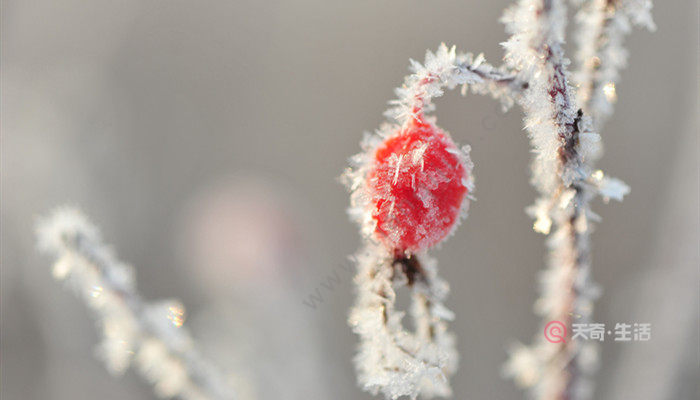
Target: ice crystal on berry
(416,187)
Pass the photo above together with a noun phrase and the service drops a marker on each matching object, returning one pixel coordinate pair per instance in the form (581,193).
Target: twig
(391,359)
(565,151)
(150,335)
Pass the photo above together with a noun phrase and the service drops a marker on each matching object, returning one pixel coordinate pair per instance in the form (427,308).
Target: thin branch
(447,69)
(565,151)
(149,335)
(392,360)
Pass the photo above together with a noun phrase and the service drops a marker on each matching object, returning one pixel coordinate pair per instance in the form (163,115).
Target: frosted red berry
(416,187)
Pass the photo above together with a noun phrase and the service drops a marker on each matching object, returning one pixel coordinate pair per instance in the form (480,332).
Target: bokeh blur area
(205,138)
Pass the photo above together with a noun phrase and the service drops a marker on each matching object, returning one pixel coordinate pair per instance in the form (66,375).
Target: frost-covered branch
(390,359)
(602,26)
(447,69)
(150,336)
(409,190)
(565,148)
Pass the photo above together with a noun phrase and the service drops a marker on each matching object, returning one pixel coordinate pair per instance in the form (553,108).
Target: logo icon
(555,332)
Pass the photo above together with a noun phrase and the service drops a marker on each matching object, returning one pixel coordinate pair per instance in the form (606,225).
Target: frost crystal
(416,187)
(392,360)
(149,335)
(446,69)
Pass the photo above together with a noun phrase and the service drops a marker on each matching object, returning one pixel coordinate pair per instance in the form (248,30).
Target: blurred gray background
(205,138)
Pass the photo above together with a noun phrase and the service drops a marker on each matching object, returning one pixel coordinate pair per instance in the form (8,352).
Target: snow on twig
(149,336)
(566,148)
(398,201)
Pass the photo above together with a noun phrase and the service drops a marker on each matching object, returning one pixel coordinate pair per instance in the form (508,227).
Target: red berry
(416,187)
